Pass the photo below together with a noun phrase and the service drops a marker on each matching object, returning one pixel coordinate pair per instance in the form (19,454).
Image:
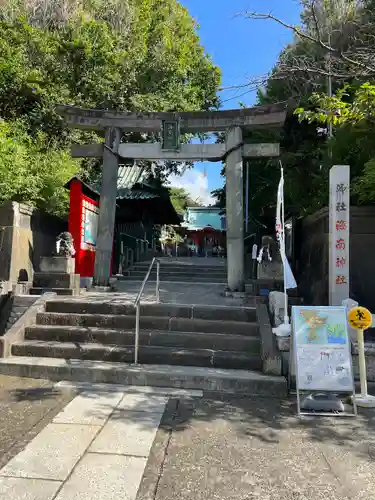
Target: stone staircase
(169,334)
(192,347)
(181,271)
(20,305)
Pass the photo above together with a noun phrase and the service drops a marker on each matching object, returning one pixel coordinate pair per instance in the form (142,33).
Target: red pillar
(75,218)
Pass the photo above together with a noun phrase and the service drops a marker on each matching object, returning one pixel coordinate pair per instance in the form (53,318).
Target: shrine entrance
(237,125)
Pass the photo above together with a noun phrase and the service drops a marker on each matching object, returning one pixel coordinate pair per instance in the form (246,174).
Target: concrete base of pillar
(58,282)
(57,265)
(101,289)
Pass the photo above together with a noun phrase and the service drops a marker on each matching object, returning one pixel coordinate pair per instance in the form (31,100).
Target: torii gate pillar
(107,209)
(235,210)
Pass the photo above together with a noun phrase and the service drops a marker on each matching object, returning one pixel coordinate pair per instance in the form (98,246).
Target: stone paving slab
(104,477)
(127,433)
(177,293)
(172,292)
(89,408)
(13,488)
(53,453)
(143,402)
(129,389)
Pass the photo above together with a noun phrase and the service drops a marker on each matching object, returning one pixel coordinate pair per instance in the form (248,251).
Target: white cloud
(194,183)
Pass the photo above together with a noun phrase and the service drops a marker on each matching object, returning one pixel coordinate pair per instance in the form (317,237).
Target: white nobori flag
(289,280)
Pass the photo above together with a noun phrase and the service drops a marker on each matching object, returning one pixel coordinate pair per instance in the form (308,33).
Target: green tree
(134,55)
(32,172)
(335,37)
(352,112)
(181,199)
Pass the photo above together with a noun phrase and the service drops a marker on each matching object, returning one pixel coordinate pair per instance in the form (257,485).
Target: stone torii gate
(237,125)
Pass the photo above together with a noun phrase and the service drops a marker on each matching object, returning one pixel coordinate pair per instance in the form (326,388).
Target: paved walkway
(96,448)
(192,261)
(135,443)
(173,293)
(256,449)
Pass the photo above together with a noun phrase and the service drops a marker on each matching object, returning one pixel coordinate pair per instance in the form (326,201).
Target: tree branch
(317,27)
(297,31)
(357,60)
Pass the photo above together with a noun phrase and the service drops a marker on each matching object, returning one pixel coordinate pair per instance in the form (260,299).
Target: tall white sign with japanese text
(339,233)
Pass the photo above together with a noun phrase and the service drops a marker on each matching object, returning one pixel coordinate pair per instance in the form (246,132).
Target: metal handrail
(137,302)
(134,237)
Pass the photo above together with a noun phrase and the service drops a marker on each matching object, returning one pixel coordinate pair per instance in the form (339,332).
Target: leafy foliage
(181,200)
(30,171)
(134,55)
(347,107)
(352,112)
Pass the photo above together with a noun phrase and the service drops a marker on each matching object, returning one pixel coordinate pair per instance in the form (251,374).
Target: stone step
(23,301)
(59,291)
(18,312)
(147,354)
(183,340)
(175,264)
(56,280)
(179,279)
(182,272)
(16,309)
(218,313)
(208,379)
(149,322)
(178,276)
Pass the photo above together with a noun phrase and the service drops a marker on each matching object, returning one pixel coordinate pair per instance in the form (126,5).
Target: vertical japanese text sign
(339,232)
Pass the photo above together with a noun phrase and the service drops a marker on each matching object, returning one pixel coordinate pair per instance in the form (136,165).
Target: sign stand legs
(363,399)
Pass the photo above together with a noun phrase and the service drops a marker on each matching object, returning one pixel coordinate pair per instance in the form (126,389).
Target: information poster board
(90,216)
(322,349)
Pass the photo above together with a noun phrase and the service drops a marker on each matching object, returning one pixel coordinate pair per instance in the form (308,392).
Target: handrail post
(157,281)
(137,303)
(136,347)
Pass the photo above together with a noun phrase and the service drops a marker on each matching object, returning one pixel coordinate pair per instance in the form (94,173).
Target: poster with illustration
(322,349)
(90,216)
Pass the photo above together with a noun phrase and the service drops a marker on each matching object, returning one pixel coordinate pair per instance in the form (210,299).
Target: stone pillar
(235,210)
(107,211)
(339,234)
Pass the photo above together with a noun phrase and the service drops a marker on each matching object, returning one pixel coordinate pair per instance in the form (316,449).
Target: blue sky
(243,49)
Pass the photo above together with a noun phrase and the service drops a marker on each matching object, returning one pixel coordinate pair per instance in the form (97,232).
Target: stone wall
(25,236)
(312,264)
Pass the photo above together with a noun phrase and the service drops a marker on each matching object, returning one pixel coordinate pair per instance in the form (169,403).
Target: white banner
(289,280)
